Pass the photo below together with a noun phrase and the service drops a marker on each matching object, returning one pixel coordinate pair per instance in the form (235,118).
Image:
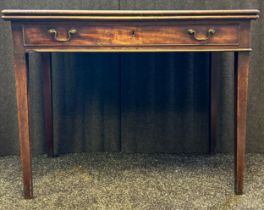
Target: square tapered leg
(241,87)
(22,94)
(213,102)
(47,93)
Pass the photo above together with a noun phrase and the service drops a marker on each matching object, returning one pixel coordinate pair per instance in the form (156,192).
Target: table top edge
(12,12)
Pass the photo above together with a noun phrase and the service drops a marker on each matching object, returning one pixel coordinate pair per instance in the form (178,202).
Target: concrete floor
(136,181)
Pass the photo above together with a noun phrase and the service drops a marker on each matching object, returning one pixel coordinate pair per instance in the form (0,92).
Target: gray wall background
(129,102)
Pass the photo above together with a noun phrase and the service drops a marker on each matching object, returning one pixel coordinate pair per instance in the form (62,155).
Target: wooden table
(49,31)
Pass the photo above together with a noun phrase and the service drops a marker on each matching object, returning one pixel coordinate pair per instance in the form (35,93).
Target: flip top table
(48,31)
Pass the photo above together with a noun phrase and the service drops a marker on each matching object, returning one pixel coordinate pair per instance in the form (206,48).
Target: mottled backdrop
(131,102)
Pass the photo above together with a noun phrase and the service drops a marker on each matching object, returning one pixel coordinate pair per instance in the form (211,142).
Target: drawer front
(130,34)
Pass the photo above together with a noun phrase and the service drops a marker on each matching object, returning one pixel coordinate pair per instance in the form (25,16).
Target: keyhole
(133,33)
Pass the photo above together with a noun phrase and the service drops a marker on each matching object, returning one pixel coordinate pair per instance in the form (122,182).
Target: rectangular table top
(133,14)
(132,30)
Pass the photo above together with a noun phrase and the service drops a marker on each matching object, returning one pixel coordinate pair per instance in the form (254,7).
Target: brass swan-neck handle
(53,32)
(193,33)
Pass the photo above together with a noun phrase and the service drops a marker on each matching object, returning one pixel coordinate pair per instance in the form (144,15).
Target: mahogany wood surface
(47,94)
(242,60)
(49,31)
(214,74)
(22,94)
(131,33)
(129,14)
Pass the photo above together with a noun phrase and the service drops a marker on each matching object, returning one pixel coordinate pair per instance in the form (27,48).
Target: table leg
(241,86)
(22,93)
(47,91)
(213,96)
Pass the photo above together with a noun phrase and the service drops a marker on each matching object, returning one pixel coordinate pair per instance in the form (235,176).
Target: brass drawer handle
(53,32)
(193,33)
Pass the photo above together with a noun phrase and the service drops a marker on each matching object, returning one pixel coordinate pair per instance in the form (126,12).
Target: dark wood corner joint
(211,31)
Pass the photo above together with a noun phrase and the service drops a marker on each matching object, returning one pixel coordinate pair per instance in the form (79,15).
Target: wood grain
(48,108)
(129,31)
(131,34)
(22,93)
(138,49)
(128,14)
(216,17)
(131,12)
(214,77)
(241,88)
